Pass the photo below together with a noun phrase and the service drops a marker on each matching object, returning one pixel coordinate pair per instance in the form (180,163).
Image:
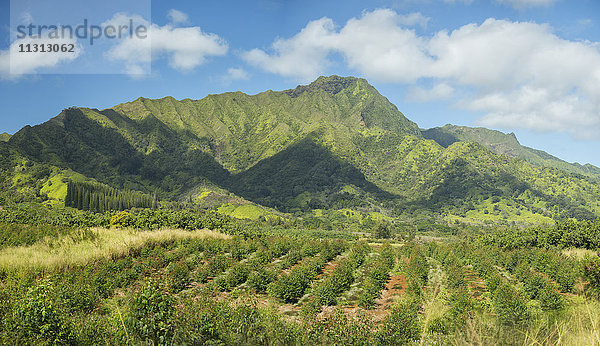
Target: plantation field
(123,284)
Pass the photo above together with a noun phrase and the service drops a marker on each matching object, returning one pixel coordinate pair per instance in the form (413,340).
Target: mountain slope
(506,144)
(4,137)
(335,143)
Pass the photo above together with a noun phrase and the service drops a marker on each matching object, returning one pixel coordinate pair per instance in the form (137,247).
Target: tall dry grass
(578,324)
(578,253)
(89,245)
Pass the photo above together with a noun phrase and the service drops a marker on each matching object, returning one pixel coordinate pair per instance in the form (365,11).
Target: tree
(382,230)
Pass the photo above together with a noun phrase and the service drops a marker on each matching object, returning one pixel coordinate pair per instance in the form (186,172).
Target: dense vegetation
(101,198)
(257,287)
(336,143)
(565,234)
(505,144)
(316,215)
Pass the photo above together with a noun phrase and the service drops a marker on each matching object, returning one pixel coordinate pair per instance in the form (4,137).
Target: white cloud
(14,63)
(521,4)
(303,56)
(177,17)
(377,44)
(440,91)
(236,74)
(413,19)
(516,74)
(185,47)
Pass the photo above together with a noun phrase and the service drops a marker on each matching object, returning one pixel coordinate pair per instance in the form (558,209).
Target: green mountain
(335,143)
(4,137)
(505,144)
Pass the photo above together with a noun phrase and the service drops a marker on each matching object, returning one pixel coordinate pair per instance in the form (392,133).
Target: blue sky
(531,67)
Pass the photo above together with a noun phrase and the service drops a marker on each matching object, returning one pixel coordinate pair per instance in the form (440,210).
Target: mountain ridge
(507,144)
(334,143)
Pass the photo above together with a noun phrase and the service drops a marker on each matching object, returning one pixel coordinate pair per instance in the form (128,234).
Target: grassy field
(84,246)
(173,286)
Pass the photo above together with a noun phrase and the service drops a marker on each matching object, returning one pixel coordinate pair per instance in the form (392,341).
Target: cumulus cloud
(14,64)
(302,56)
(177,17)
(184,47)
(517,74)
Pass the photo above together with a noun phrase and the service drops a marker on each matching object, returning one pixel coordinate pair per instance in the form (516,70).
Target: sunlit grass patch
(87,245)
(578,253)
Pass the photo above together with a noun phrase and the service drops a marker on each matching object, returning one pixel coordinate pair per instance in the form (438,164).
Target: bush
(401,325)
(152,314)
(260,279)
(79,297)
(121,219)
(37,318)
(370,292)
(509,305)
(237,275)
(591,272)
(178,276)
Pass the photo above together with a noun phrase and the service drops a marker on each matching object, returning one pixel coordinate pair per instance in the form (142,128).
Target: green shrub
(178,276)
(152,313)
(78,297)
(37,318)
(370,292)
(237,275)
(509,305)
(401,325)
(591,272)
(260,279)
(121,219)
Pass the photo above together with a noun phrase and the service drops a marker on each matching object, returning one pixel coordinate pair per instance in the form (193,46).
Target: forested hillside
(333,144)
(506,144)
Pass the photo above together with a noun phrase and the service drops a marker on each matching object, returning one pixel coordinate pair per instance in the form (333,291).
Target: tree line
(101,198)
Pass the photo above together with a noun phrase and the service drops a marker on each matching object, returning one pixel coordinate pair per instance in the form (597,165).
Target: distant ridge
(505,144)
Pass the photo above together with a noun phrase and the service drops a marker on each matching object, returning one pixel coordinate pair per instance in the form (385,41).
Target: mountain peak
(331,84)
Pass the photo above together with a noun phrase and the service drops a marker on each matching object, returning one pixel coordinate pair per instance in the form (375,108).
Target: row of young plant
(516,290)
(403,324)
(376,273)
(291,286)
(79,305)
(256,270)
(327,290)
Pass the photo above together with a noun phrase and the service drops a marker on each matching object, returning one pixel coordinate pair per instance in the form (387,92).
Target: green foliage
(377,273)
(382,230)
(121,219)
(401,326)
(152,314)
(179,276)
(101,198)
(509,305)
(591,272)
(260,278)
(38,319)
(564,234)
(292,286)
